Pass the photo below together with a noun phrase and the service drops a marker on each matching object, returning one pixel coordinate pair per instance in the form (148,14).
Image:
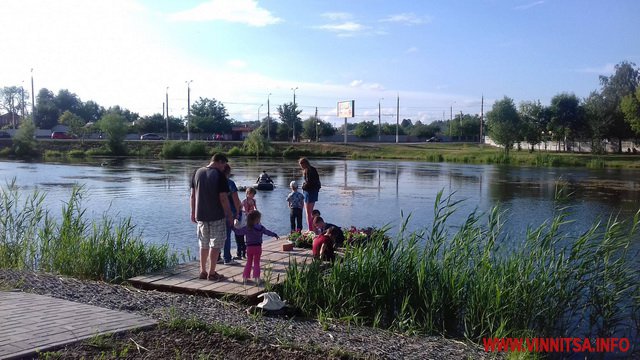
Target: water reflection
(359,193)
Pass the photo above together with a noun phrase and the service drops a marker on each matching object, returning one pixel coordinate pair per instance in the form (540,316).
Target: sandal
(215,276)
(203,275)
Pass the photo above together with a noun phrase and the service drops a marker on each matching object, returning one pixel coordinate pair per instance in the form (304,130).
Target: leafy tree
(290,115)
(390,129)
(406,123)
(256,142)
(74,122)
(24,142)
(283,132)
(366,129)
(504,123)
(566,118)
(67,101)
(47,114)
(127,116)
(115,128)
(622,83)
(597,121)
(313,125)
(90,111)
(209,116)
(630,106)
(11,100)
(534,121)
(423,131)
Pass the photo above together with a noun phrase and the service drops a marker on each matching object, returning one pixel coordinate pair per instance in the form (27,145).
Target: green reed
(480,282)
(106,249)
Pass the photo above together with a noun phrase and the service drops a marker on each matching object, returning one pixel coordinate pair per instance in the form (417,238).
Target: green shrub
(75,153)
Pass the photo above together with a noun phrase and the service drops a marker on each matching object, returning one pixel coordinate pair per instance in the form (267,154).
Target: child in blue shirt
(296,202)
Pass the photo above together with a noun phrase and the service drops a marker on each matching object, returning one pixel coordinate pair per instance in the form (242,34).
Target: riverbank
(233,333)
(471,153)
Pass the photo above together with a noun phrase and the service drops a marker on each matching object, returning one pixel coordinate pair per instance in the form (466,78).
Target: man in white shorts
(210,210)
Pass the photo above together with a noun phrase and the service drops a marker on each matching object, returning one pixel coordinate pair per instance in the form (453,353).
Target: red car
(61,135)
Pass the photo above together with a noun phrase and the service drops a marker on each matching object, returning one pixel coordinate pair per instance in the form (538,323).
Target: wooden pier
(184,278)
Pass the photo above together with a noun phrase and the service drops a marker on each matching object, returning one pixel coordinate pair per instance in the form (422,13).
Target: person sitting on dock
(264,178)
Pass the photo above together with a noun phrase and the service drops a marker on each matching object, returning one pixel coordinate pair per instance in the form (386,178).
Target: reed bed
(107,250)
(478,282)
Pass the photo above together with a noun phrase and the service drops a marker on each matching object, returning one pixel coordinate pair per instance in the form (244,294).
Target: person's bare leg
(213,258)
(308,207)
(204,254)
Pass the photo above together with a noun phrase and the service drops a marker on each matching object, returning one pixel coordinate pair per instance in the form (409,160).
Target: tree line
(611,113)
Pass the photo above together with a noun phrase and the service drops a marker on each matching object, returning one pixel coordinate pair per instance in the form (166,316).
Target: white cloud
(356,83)
(606,69)
(239,11)
(407,19)
(412,50)
(529,6)
(345,27)
(362,85)
(337,16)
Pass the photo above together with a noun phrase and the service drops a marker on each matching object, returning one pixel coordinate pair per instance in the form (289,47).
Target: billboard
(346,109)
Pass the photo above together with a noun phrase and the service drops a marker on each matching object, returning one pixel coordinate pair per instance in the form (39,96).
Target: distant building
(240,132)
(10,120)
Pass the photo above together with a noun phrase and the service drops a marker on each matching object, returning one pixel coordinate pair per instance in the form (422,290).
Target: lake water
(155,193)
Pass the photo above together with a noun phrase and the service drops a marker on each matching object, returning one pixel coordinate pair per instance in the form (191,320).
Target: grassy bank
(477,282)
(108,250)
(432,152)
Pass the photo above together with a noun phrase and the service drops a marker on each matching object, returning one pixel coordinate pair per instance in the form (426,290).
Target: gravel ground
(273,337)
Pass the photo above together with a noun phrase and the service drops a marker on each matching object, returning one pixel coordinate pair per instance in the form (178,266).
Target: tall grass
(108,250)
(478,282)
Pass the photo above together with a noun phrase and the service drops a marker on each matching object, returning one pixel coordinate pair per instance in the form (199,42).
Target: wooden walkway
(184,277)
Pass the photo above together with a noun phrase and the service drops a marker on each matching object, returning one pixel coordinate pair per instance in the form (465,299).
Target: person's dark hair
(253,218)
(318,219)
(334,232)
(303,161)
(219,157)
(227,170)
(315,212)
(250,190)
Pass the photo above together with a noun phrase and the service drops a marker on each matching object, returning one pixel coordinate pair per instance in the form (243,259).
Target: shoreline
(320,337)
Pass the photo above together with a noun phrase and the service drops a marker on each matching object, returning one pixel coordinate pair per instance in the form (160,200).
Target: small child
(248,205)
(296,202)
(323,244)
(253,231)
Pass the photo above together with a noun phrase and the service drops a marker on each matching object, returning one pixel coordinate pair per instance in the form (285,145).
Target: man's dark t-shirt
(208,183)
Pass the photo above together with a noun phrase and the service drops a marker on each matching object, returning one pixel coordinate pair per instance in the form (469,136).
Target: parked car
(433,139)
(5,135)
(61,135)
(151,136)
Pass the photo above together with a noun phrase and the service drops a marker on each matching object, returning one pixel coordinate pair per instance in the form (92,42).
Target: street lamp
(259,111)
(317,133)
(268,119)
(294,119)
(167,105)
(188,109)
(379,122)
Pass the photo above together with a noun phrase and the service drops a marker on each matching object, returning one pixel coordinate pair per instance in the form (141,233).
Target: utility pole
(22,88)
(294,113)
(461,124)
(317,123)
(379,122)
(33,102)
(189,109)
(450,120)
(398,120)
(481,117)
(167,105)
(268,119)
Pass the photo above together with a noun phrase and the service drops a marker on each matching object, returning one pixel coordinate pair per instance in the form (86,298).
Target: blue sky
(433,55)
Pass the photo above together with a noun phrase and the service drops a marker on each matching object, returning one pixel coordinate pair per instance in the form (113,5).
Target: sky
(436,57)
